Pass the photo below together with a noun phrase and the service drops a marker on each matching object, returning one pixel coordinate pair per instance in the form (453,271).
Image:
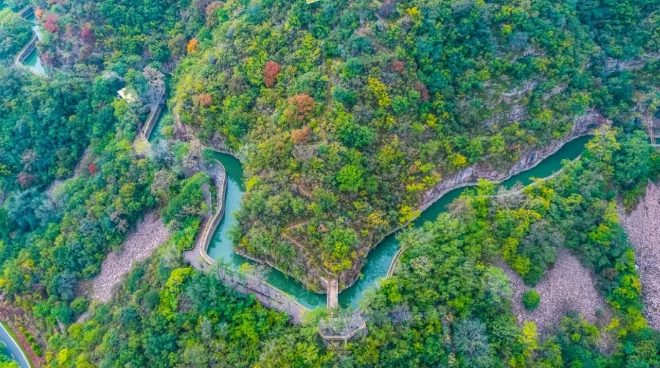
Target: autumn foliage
(423,91)
(51,23)
(299,109)
(398,66)
(271,70)
(92,169)
(25,179)
(300,136)
(192,46)
(205,100)
(87,34)
(211,18)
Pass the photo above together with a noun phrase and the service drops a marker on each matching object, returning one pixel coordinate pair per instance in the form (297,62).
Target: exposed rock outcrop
(471,175)
(567,286)
(643,228)
(150,234)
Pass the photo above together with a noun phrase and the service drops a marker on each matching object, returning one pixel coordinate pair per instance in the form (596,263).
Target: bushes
(531,300)
(44,135)
(183,211)
(15,32)
(188,202)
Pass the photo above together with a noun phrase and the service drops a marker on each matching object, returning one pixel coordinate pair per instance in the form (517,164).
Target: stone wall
(471,175)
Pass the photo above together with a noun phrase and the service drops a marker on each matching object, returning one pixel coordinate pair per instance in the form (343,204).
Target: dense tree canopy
(349,111)
(446,305)
(116,34)
(15,32)
(346,113)
(47,124)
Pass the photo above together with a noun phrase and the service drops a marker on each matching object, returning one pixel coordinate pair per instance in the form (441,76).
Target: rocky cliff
(584,125)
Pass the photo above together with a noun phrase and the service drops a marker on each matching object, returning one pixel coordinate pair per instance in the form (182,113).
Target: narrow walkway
(654,131)
(31,45)
(153,118)
(267,294)
(197,256)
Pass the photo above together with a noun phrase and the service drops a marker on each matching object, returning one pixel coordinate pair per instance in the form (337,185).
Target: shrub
(531,299)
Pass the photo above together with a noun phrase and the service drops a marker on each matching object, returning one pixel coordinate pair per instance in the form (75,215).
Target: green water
(379,259)
(33,61)
(220,247)
(156,132)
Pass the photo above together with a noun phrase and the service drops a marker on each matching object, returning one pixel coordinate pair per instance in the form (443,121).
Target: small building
(126,95)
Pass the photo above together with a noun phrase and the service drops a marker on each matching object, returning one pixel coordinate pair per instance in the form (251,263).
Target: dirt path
(568,286)
(643,228)
(150,234)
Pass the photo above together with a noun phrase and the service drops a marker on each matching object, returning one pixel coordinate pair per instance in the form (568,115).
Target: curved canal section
(33,61)
(379,259)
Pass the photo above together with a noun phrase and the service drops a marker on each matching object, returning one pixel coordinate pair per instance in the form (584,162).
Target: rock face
(150,234)
(568,286)
(643,228)
(471,175)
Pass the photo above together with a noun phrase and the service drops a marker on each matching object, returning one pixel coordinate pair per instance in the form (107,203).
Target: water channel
(379,259)
(33,61)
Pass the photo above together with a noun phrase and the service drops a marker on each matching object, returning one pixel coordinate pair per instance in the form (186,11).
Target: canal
(33,61)
(379,259)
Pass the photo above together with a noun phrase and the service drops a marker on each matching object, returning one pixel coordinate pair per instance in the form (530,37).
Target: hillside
(295,136)
(348,112)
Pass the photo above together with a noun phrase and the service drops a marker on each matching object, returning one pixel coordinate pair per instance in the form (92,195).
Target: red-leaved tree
(87,34)
(205,99)
(25,179)
(299,109)
(423,91)
(271,70)
(211,9)
(398,66)
(51,23)
(300,136)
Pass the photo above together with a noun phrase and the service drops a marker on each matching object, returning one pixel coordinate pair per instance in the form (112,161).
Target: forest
(348,112)
(14,32)
(447,304)
(344,115)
